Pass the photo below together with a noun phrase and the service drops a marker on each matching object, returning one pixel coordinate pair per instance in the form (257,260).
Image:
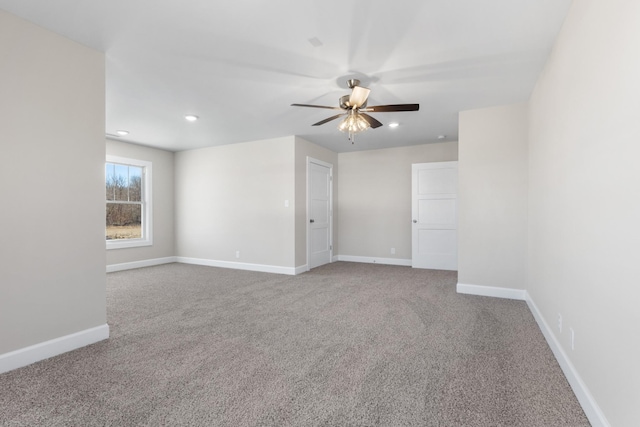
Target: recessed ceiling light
(122,132)
(191,118)
(394,125)
(442,136)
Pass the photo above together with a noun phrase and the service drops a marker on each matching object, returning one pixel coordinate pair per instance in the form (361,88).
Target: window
(128,202)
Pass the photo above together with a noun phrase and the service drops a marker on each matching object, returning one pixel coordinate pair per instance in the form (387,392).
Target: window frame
(147,206)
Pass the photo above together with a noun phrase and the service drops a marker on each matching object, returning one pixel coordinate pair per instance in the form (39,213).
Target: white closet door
(435,218)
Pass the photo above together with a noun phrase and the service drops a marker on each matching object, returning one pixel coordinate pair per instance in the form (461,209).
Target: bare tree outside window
(124,199)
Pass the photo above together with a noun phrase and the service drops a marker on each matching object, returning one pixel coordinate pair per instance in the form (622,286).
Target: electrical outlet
(237,254)
(560,322)
(393,251)
(573,338)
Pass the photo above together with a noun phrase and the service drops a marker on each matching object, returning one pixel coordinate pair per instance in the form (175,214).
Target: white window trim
(147,216)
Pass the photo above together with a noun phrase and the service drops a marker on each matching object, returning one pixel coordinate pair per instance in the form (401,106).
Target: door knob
(415,221)
(311,221)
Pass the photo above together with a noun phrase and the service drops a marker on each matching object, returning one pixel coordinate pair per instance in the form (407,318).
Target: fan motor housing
(345,105)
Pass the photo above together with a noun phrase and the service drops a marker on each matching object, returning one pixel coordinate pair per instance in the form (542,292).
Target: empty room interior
(320,213)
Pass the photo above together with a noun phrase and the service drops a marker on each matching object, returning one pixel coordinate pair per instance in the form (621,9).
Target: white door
(319,212)
(434,234)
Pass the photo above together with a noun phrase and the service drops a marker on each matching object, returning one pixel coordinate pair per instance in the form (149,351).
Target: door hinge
(330,247)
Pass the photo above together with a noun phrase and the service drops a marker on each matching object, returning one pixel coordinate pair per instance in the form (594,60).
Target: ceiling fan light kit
(355,107)
(352,124)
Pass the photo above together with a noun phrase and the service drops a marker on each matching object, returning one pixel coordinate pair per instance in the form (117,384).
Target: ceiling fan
(355,108)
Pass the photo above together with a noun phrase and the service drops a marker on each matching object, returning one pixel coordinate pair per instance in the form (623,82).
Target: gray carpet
(343,345)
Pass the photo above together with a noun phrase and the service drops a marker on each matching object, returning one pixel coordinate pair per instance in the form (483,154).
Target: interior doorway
(319,212)
(434,234)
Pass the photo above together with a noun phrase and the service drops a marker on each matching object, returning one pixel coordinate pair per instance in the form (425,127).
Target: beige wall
(585,199)
(492,218)
(374,198)
(162,199)
(304,149)
(232,198)
(52,185)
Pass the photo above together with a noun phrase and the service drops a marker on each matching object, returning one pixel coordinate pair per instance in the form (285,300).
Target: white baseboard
(35,353)
(490,291)
(302,269)
(240,265)
(589,405)
(373,260)
(139,264)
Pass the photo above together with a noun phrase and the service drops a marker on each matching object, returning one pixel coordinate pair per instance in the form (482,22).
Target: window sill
(130,243)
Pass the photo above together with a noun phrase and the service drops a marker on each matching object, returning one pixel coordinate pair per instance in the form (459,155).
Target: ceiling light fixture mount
(191,118)
(315,42)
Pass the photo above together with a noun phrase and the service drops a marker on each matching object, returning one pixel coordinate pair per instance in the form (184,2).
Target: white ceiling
(238,65)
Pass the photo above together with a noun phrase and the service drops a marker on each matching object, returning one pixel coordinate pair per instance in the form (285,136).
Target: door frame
(308,216)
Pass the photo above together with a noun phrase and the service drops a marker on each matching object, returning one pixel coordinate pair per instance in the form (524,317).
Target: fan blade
(372,122)
(390,108)
(316,106)
(358,96)
(327,120)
